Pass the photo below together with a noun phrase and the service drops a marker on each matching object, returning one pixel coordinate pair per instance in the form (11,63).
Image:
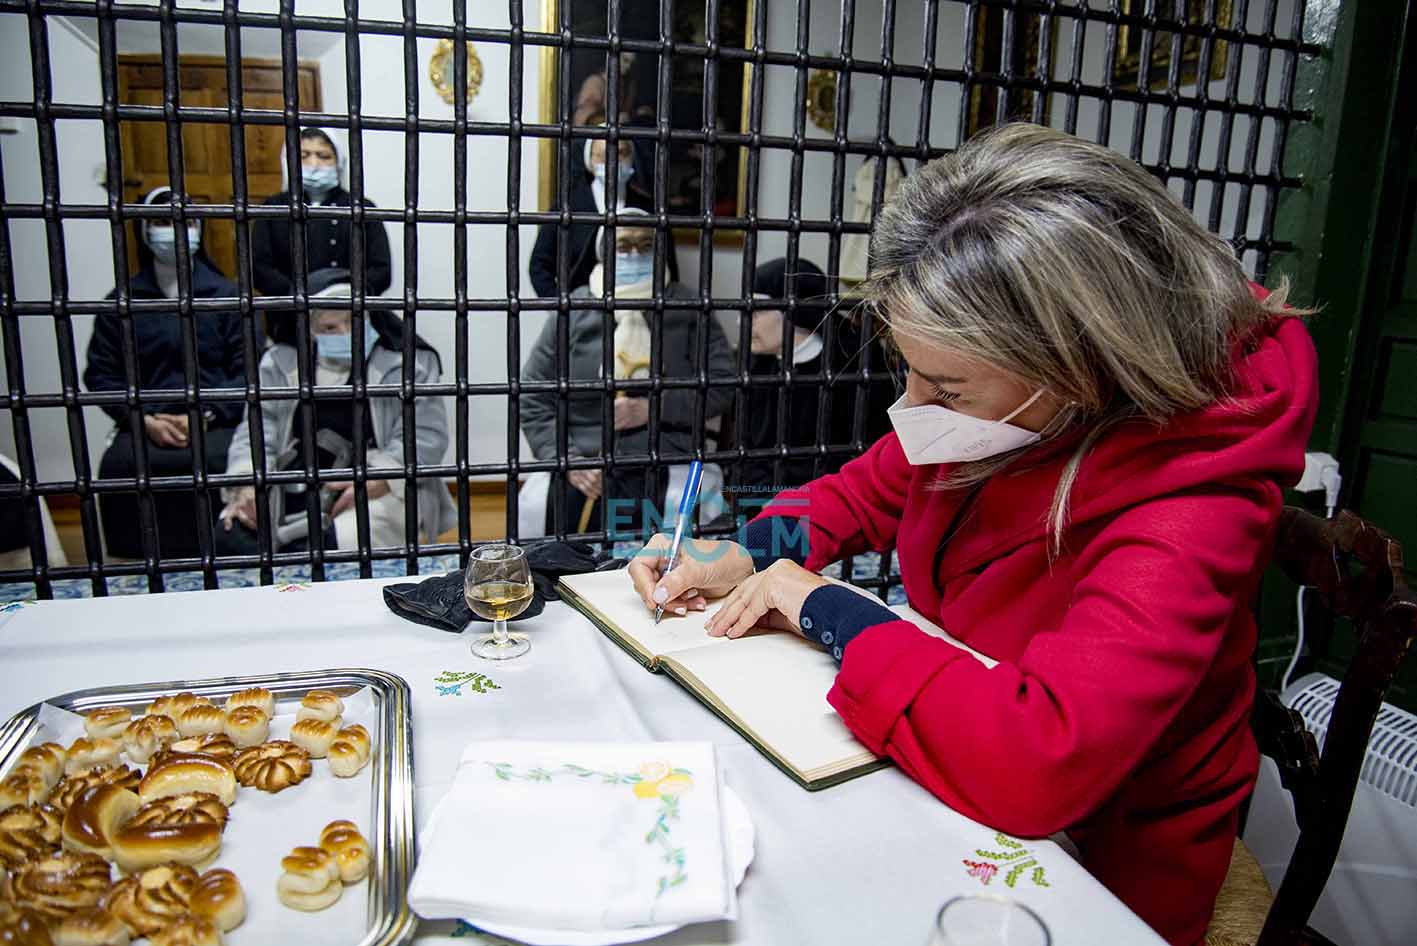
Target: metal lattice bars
(1157,101)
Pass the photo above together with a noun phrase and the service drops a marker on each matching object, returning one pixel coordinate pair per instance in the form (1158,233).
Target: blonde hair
(1067,265)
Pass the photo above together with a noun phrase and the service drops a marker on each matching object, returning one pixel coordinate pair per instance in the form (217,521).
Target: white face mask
(931,434)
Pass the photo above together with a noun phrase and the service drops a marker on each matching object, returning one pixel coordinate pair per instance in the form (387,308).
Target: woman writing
(1083,483)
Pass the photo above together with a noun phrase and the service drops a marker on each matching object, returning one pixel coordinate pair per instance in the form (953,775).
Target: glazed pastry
(150,900)
(214,745)
(92,819)
(191,842)
(28,834)
(93,926)
(68,791)
(247,726)
(187,808)
(259,697)
(218,897)
(24,787)
(187,930)
(175,705)
(342,841)
(272,766)
(45,760)
(107,722)
(200,719)
(87,754)
(320,704)
(314,736)
(144,737)
(310,879)
(22,926)
(61,884)
(176,774)
(345,759)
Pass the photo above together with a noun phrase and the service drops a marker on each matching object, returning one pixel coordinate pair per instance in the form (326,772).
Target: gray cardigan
(679,348)
(278,417)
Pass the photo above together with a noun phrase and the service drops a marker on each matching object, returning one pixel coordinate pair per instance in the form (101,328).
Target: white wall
(89,251)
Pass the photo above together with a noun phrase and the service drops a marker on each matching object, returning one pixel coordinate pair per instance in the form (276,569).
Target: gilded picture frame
(734,84)
(821,99)
(440,71)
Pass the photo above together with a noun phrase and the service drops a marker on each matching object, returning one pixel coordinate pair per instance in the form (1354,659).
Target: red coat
(1119,710)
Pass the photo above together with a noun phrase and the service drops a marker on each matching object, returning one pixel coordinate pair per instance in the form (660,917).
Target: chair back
(1356,570)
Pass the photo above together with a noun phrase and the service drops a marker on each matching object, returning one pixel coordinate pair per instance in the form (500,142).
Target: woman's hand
(166,430)
(631,412)
(242,508)
(706,569)
(376,489)
(771,598)
(586,482)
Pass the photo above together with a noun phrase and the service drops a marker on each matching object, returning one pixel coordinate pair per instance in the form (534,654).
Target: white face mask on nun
(932,434)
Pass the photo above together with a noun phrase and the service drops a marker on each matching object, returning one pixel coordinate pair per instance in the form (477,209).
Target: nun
(324,182)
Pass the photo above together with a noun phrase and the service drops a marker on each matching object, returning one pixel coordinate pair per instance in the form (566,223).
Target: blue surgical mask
(341,347)
(632,268)
(319,181)
(163,242)
(623,171)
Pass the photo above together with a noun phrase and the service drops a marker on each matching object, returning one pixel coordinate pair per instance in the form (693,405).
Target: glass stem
(499,633)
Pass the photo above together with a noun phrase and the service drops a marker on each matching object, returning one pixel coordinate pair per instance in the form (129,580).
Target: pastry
(60,884)
(191,842)
(45,760)
(187,930)
(92,819)
(149,900)
(86,754)
(214,745)
(310,879)
(272,766)
(200,719)
(187,808)
(93,926)
(69,790)
(22,926)
(176,774)
(28,834)
(314,736)
(144,737)
(218,897)
(175,705)
(349,751)
(342,841)
(320,704)
(247,726)
(25,787)
(107,722)
(259,697)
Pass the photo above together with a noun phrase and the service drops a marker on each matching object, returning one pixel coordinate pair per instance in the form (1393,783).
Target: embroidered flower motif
(451,682)
(455,690)
(985,872)
(1015,855)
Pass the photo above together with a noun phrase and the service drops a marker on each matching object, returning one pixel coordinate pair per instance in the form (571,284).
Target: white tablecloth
(869,861)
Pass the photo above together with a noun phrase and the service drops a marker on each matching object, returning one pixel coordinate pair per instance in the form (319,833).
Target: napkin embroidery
(654,780)
(294,586)
(1016,855)
(451,682)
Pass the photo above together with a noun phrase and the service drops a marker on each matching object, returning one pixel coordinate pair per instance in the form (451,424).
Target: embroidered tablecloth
(868,861)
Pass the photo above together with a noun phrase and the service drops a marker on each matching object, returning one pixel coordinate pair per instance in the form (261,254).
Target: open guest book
(771,686)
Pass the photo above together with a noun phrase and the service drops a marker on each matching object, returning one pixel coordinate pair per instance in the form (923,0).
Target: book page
(612,595)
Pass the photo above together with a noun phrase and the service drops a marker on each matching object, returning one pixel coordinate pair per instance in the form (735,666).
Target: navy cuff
(775,537)
(833,615)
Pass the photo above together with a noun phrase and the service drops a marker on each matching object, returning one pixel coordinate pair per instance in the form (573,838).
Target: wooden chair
(1356,570)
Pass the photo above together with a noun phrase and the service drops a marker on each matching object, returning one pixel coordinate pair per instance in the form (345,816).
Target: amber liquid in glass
(498,600)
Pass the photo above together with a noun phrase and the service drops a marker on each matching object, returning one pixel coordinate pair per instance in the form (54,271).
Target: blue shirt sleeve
(832,616)
(775,537)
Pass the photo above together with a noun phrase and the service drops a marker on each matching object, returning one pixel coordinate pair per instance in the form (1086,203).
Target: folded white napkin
(578,836)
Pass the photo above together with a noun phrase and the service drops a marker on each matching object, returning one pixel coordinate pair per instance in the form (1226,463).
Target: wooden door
(206,148)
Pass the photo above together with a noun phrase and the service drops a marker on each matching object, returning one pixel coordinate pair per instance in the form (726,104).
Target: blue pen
(681,524)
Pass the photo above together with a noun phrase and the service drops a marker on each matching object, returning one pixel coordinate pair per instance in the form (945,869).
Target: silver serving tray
(391,767)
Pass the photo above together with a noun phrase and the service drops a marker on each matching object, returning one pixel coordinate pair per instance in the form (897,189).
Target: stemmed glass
(983,920)
(497,583)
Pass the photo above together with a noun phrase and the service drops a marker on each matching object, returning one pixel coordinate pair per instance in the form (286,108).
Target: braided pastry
(45,760)
(175,705)
(342,841)
(350,751)
(272,766)
(93,926)
(87,754)
(218,897)
(309,880)
(60,884)
(200,719)
(320,704)
(108,722)
(22,787)
(314,736)
(247,726)
(69,790)
(149,735)
(148,901)
(187,808)
(28,834)
(259,697)
(188,930)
